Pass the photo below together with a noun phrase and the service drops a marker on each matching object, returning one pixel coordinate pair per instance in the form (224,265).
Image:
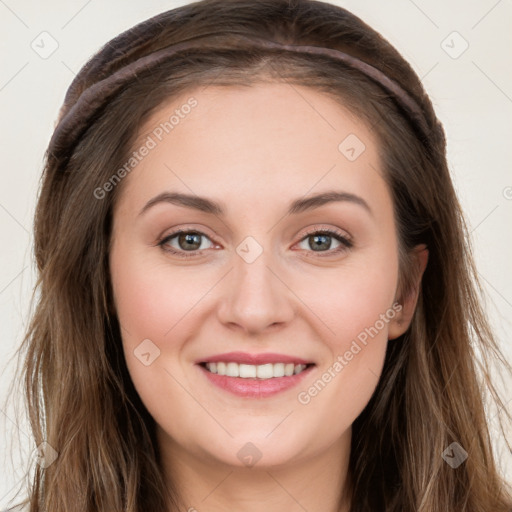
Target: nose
(255,296)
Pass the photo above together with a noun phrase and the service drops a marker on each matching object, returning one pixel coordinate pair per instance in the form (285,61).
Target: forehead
(259,141)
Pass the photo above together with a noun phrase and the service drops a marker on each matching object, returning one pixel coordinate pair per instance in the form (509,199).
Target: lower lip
(255,388)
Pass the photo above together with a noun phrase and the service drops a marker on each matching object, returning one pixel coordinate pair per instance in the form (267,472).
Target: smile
(254,376)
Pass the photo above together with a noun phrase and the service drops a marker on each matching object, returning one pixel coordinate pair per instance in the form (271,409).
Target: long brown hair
(432,391)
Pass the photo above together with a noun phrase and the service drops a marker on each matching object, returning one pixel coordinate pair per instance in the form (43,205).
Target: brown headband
(76,120)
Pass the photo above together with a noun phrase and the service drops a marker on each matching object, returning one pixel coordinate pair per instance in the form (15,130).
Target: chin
(262,448)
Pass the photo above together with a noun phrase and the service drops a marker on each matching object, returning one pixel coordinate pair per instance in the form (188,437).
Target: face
(261,276)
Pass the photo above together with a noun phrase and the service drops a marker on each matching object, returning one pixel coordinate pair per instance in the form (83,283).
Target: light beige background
(472,95)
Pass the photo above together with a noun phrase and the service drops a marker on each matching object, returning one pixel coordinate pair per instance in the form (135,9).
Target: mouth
(255,376)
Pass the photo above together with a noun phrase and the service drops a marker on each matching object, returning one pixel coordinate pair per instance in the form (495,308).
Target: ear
(401,322)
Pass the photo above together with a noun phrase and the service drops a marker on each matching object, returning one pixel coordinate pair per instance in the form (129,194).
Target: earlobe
(402,320)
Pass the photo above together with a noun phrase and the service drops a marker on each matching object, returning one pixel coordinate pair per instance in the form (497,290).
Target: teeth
(277,370)
(232,370)
(250,371)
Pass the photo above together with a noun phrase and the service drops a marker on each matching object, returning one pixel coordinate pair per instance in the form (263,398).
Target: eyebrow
(301,205)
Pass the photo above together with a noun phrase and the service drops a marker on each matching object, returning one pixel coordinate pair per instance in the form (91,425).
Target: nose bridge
(255,297)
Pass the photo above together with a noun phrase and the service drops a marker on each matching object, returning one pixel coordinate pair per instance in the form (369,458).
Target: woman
(256,291)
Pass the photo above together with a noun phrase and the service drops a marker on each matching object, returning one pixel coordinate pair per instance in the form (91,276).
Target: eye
(182,241)
(320,241)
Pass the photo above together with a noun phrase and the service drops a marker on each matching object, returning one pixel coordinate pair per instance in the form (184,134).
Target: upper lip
(253,359)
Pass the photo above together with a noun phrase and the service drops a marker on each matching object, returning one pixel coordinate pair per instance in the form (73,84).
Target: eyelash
(337,235)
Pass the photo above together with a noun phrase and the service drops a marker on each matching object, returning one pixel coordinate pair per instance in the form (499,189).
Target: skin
(254,150)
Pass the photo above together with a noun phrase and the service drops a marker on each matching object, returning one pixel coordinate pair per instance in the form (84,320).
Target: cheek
(150,300)
(352,298)
(341,390)
(357,305)
(347,379)
(152,304)
(147,307)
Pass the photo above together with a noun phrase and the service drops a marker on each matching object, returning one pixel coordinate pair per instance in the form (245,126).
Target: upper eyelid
(185,230)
